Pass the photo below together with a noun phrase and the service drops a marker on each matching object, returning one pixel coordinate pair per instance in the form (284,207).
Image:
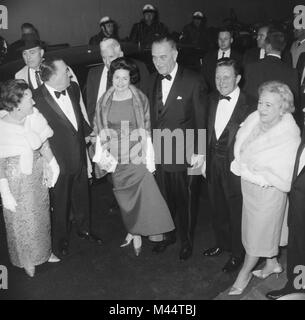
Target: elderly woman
(265,151)
(122,123)
(27,169)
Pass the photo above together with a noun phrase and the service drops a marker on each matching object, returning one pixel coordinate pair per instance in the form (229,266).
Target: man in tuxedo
(256,54)
(98,81)
(273,68)
(177,101)
(33,55)
(298,46)
(58,100)
(228,108)
(301,72)
(296,226)
(225,40)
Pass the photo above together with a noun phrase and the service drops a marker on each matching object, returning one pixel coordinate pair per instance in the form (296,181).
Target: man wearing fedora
(33,54)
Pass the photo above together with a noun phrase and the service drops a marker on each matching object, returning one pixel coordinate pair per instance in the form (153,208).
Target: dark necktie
(109,82)
(221,97)
(37,76)
(223,54)
(59,93)
(167,77)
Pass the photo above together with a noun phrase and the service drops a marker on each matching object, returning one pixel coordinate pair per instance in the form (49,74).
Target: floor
(110,272)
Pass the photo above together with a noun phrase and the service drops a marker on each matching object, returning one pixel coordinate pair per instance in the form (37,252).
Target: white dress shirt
(262,53)
(33,78)
(224,112)
(167,84)
(65,105)
(103,84)
(227,54)
(302,161)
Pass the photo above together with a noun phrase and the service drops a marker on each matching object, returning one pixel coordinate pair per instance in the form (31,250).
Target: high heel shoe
(53,258)
(127,240)
(235,291)
(137,245)
(259,273)
(30,271)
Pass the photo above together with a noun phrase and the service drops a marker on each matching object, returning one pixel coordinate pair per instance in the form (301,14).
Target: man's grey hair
(110,43)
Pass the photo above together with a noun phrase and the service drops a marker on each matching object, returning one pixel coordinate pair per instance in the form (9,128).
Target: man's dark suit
(253,55)
(272,68)
(296,220)
(71,193)
(300,68)
(209,66)
(93,84)
(185,108)
(223,186)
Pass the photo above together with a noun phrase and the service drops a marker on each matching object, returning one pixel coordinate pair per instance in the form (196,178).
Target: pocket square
(179,98)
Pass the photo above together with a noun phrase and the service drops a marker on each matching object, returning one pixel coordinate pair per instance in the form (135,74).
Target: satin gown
(144,210)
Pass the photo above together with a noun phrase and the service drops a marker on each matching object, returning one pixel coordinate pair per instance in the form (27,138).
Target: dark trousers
(69,201)
(296,244)
(180,192)
(226,203)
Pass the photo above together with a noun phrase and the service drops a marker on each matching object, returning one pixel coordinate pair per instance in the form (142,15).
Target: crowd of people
(253,161)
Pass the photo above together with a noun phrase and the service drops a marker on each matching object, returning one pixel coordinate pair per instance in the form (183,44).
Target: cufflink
(179,98)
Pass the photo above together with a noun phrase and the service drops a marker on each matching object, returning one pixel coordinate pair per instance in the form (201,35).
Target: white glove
(150,156)
(7,198)
(55,171)
(104,159)
(203,169)
(197,160)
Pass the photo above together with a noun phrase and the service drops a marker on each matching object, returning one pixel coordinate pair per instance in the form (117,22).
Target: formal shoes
(85,235)
(63,249)
(238,290)
(232,264)
(53,258)
(96,239)
(213,252)
(136,240)
(162,245)
(276,294)
(137,245)
(260,273)
(30,271)
(127,240)
(185,252)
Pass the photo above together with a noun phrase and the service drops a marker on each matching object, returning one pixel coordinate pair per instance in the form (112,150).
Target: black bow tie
(224,97)
(58,93)
(167,77)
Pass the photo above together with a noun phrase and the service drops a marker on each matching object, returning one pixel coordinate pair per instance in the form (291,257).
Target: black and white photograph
(152,153)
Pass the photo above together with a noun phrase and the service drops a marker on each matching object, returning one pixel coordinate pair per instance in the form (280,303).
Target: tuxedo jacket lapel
(97,80)
(297,162)
(234,122)
(56,108)
(212,116)
(172,95)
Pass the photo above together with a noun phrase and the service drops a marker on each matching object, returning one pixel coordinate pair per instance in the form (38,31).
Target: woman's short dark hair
(11,93)
(125,64)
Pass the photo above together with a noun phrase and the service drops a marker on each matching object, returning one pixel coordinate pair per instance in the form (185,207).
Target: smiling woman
(122,111)
(265,151)
(25,159)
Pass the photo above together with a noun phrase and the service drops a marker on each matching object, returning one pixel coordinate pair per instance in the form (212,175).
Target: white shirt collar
(234,94)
